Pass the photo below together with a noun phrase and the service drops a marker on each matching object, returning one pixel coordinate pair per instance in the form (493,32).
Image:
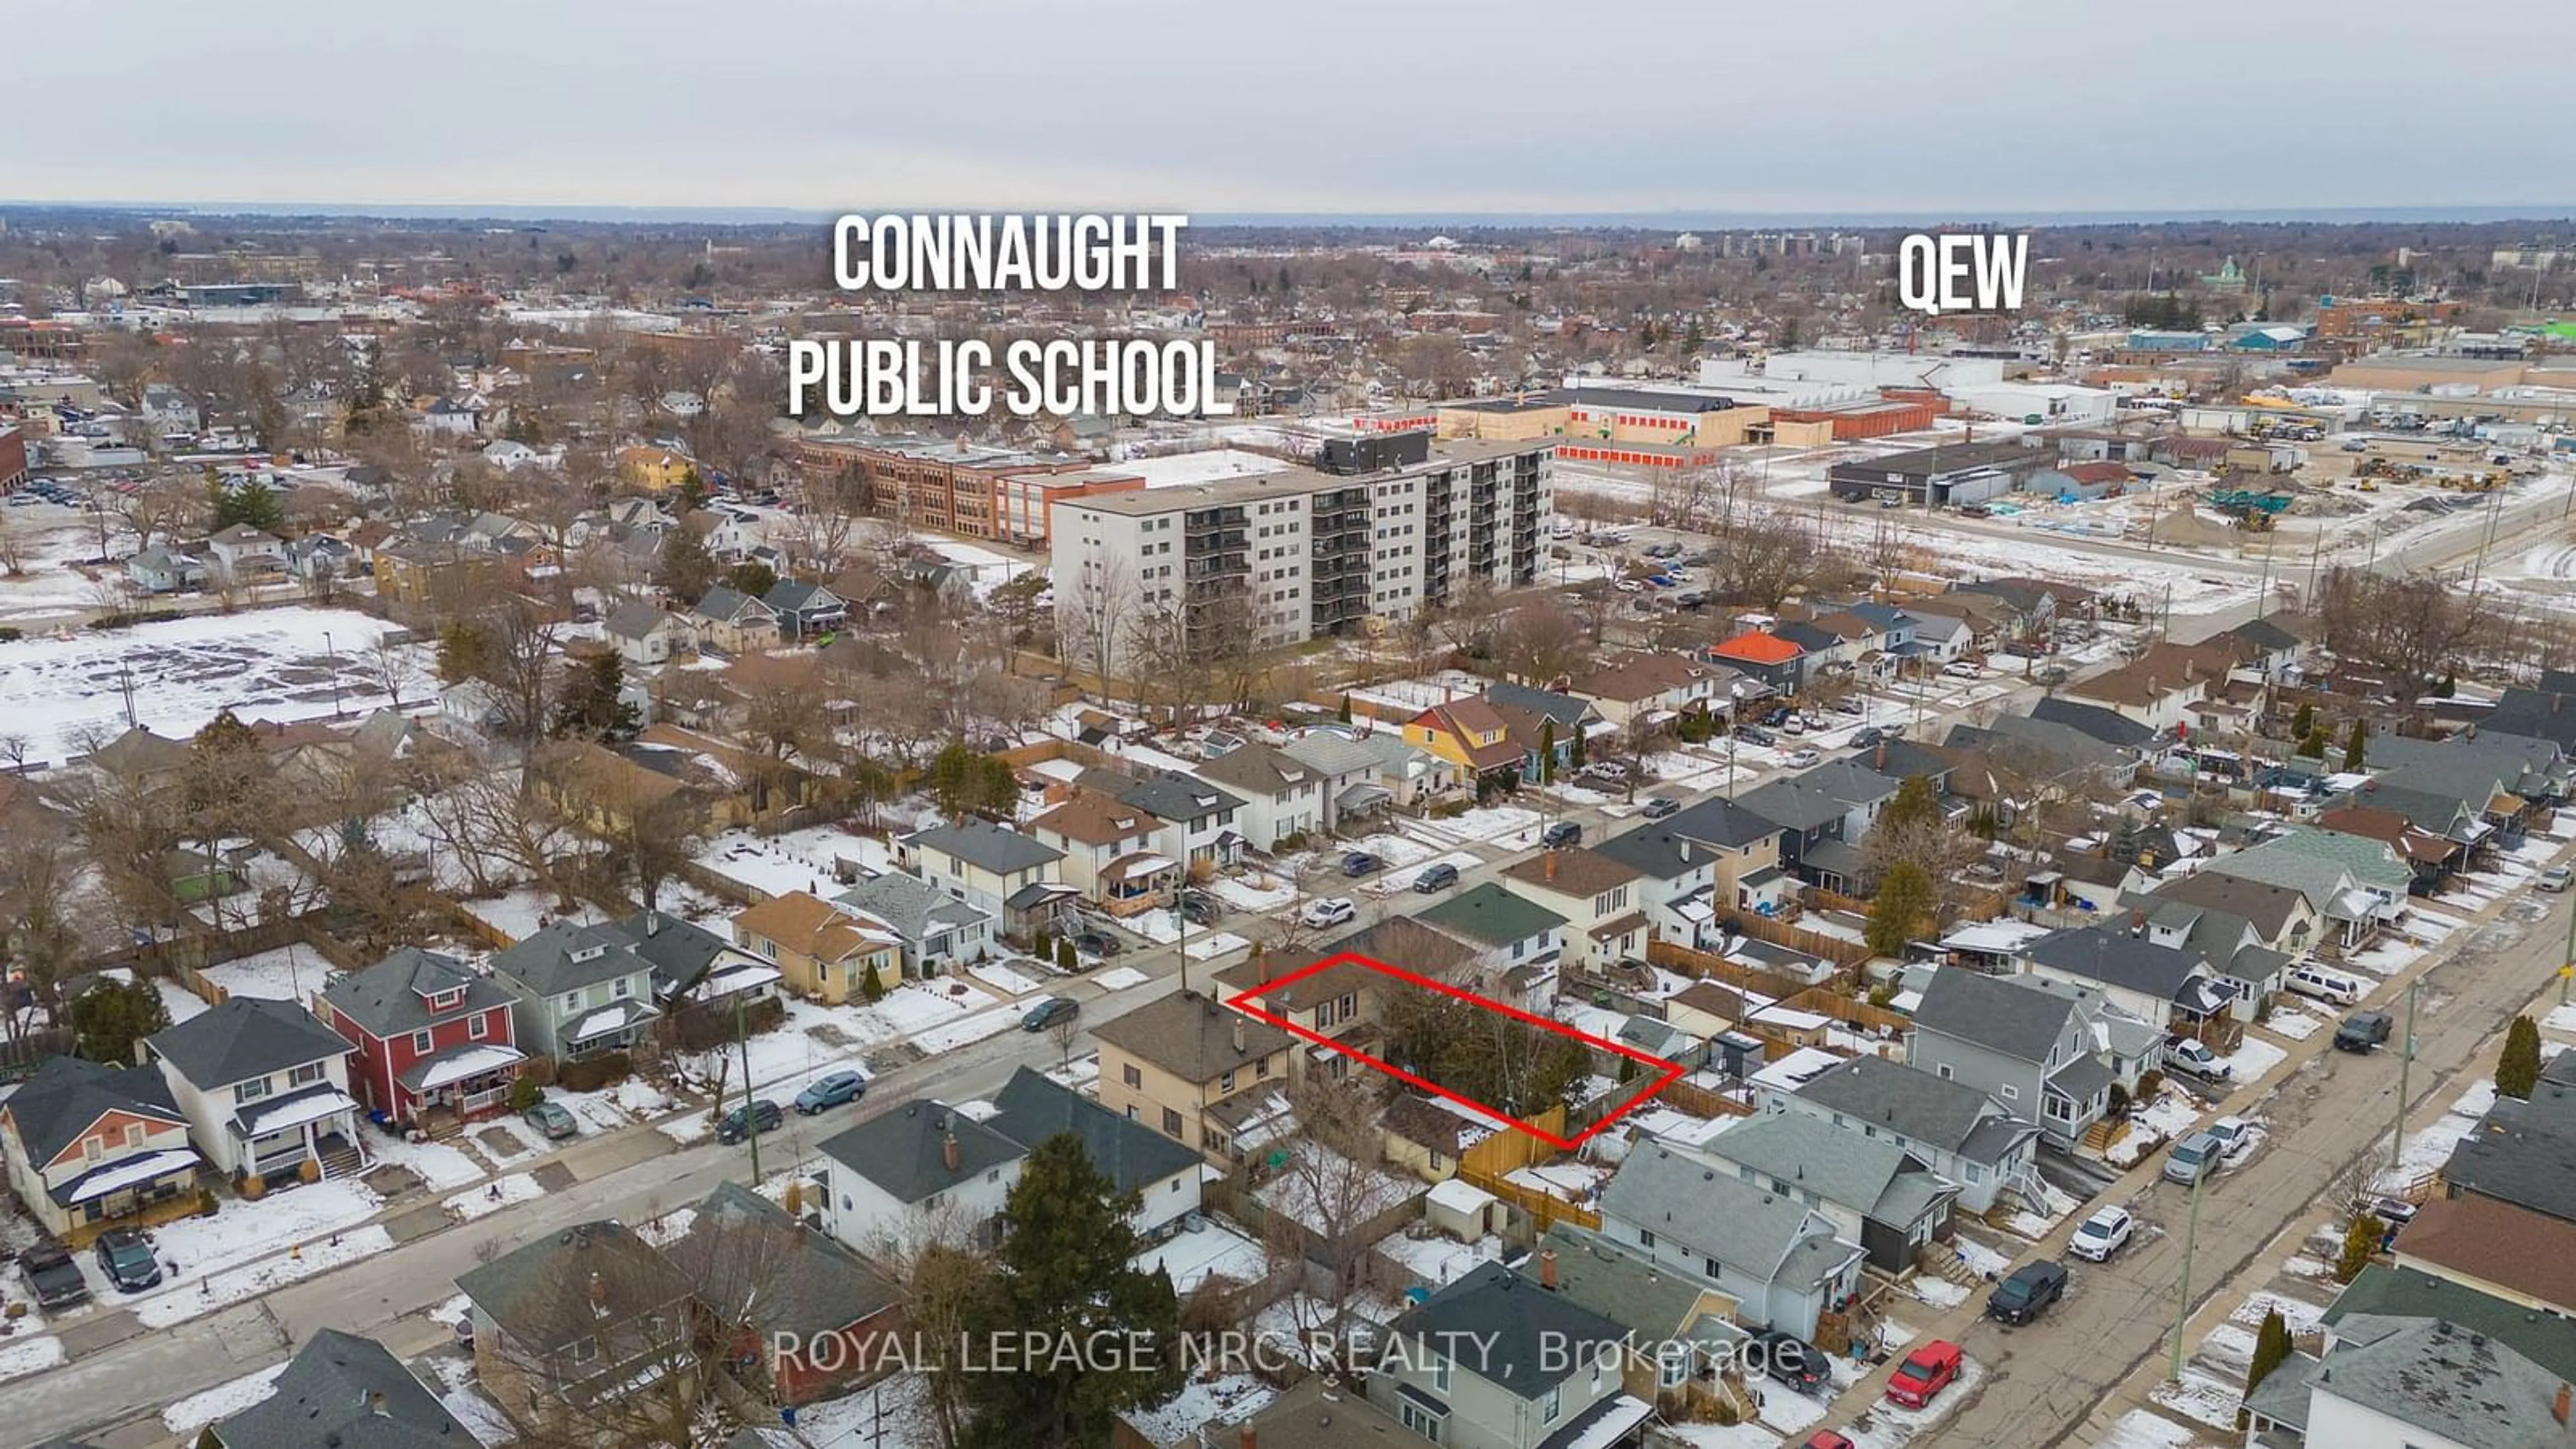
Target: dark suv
(2361,1031)
(2031,1288)
(1789,1360)
(127,1260)
(761,1116)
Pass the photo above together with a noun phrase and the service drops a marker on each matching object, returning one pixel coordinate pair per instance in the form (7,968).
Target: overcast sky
(1412,106)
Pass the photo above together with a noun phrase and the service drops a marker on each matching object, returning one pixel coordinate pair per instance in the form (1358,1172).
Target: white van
(2314,980)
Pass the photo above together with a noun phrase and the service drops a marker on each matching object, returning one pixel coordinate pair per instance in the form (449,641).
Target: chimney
(376,1401)
(2558,1406)
(652,923)
(948,1149)
(1238,1033)
(1261,963)
(598,1291)
(1547,1269)
(1551,867)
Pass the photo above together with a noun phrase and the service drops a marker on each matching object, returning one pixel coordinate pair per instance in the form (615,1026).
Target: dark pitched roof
(2385,1292)
(2523,1153)
(391,998)
(771,1271)
(1521,1333)
(53,1107)
(1994,1012)
(540,1293)
(2116,958)
(1175,796)
(1819,797)
(247,1036)
(678,951)
(2107,725)
(1035,1107)
(1565,709)
(1916,1105)
(2548,716)
(904,1152)
(564,957)
(341,1391)
(1191,1036)
(983,843)
(1492,915)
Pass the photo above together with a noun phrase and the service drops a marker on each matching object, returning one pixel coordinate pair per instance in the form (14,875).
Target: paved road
(2324,1110)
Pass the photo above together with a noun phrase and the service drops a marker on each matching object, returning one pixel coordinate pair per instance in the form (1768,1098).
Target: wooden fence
(1544,1209)
(1707,966)
(1845,955)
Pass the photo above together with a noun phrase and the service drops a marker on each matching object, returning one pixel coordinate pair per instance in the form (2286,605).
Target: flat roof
(1204,465)
(1285,480)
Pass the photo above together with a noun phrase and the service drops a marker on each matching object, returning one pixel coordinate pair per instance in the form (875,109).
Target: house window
(1440,1374)
(571,1002)
(1645,1239)
(1671,1367)
(1554,1404)
(1942,1071)
(250,1091)
(1419,1419)
(478,1028)
(1975,1171)
(1225,1084)
(1171,1123)
(1261,1068)
(625,987)
(420,1041)
(93,1148)
(1131,1076)
(1351,1007)
(133,1134)
(2008,1092)
(305,1075)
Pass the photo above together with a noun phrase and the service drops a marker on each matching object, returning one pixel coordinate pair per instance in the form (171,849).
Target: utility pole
(2182,1295)
(2405,1060)
(1180,895)
(2567,960)
(750,1114)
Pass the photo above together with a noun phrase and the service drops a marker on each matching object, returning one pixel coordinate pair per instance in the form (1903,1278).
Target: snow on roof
(472,1062)
(143,1168)
(1460,1197)
(294,1112)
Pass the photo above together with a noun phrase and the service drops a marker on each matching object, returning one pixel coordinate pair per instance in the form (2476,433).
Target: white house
(1163,1174)
(265,1089)
(244,552)
(922,1170)
(996,870)
(1780,1258)
(646,635)
(87,1144)
(1602,901)
(1282,795)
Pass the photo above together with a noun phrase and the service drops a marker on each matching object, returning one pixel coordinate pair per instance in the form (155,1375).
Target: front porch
(1136,883)
(444,1091)
(613,1028)
(317,1125)
(132,1192)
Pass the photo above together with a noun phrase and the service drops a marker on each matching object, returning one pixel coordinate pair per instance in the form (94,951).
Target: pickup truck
(2197,1059)
(53,1275)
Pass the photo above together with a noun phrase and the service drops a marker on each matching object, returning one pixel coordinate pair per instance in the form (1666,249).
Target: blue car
(1359,863)
(831,1091)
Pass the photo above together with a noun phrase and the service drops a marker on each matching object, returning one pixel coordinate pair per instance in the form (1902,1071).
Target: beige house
(1198,1073)
(1108,852)
(824,950)
(1604,909)
(87,1146)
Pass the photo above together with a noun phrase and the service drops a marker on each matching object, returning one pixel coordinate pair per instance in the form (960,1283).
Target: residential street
(2324,1110)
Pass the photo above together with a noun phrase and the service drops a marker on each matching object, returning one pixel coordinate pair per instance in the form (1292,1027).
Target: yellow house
(1468,733)
(655,470)
(822,949)
(1210,1078)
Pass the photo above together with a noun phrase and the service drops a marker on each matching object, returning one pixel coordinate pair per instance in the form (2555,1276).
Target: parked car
(2362,1031)
(2101,1235)
(2192,1159)
(1093,941)
(1358,863)
(53,1275)
(2025,1295)
(1776,716)
(2397,1212)
(1867,736)
(1793,725)
(1331,911)
(761,1116)
(1048,1012)
(1756,735)
(1629,586)
(831,1091)
(1786,1359)
(1661,806)
(2195,1058)
(1961,669)
(1200,909)
(1924,1374)
(1614,771)
(1437,876)
(2235,1136)
(1848,705)
(551,1120)
(2555,878)
(1802,757)
(128,1260)
(1562,834)
(1664,550)
(1975,510)
(2052,674)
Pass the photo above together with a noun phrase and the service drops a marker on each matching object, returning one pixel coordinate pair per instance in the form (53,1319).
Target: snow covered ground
(196,1411)
(264,664)
(2252,1058)
(21,1356)
(2172,1114)
(799,860)
(501,1192)
(1394,881)
(1213,1249)
(289,973)
(438,1165)
(1002,977)
(523,913)
(1119,978)
(2293,1025)
(1254,892)
(241,1232)
(241,1284)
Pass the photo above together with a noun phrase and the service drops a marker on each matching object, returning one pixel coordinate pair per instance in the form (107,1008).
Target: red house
(435,1046)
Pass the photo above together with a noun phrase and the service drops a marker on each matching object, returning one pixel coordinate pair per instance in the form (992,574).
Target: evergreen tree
(2313,744)
(688,570)
(1346,707)
(1067,1239)
(753,578)
(2303,723)
(1905,901)
(1914,806)
(109,1018)
(2449,686)
(964,782)
(2271,1350)
(246,501)
(1578,750)
(2360,1243)
(692,492)
(2356,744)
(1547,752)
(462,653)
(2518,1069)
(591,706)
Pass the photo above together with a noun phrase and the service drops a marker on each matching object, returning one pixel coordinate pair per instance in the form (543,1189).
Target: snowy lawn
(241,1284)
(501,1192)
(1119,978)
(522,913)
(20,1357)
(1437,1262)
(196,1411)
(242,1231)
(2146,1429)
(1939,1292)
(2173,1113)
(799,860)
(1493,824)
(1398,852)
(2302,1317)
(1009,982)
(2252,1058)
(2201,1398)
(182,1002)
(1226,1399)
(2293,1025)
(436,1164)
(289,973)
(1214,1249)
(1254,891)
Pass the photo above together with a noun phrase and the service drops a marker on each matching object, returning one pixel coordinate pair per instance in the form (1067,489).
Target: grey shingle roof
(1502,1328)
(1035,1107)
(344,1392)
(1192,1036)
(634,621)
(982,843)
(2442,1377)
(1994,1012)
(1841,1167)
(565,957)
(2384,1291)
(911,905)
(52,1108)
(539,1293)
(1565,709)
(1819,797)
(1948,1116)
(391,998)
(1705,1207)
(904,1153)
(678,951)
(2523,1153)
(1175,796)
(770,1272)
(2094,721)
(2115,958)
(247,1036)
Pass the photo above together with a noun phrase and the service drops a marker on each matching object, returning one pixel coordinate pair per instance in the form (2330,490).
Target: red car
(1926,1372)
(1826,1439)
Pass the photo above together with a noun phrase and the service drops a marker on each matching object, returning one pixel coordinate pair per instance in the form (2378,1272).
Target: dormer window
(587,953)
(445,1000)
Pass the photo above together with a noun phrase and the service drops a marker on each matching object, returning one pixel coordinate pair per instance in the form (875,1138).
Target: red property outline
(1666,1071)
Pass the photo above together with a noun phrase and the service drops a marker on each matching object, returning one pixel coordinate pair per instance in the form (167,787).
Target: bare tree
(1540,642)
(394,670)
(1102,610)
(948,1278)
(1329,1192)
